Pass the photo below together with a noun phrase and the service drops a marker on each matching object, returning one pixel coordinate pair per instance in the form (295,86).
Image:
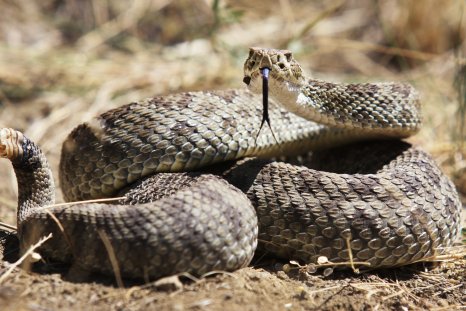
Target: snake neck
(369,109)
(388,109)
(33,174)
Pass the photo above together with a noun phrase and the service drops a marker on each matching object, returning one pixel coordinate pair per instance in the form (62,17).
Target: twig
(112,257)
(84,202)
(350,254)
(215,272)
(449,256)
(346,263)
(19,261)
(7,226)
(62,229)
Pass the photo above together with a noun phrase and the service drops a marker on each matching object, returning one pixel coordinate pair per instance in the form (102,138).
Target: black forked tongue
(265,102)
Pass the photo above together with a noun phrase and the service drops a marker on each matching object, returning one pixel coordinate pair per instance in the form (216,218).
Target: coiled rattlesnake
(394,207)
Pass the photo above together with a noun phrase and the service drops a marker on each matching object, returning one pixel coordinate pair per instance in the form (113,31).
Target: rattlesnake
(385,203)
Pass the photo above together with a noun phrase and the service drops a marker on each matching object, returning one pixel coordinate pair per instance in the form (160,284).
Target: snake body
(170,157)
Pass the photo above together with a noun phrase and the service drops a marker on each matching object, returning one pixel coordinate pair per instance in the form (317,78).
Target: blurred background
(64,61)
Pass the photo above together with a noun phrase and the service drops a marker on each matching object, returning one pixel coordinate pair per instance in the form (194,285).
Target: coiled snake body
(385,203)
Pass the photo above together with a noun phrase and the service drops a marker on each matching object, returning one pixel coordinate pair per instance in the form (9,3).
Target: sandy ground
(59,67)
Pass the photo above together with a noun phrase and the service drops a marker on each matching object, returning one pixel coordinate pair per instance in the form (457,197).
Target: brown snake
(171,157)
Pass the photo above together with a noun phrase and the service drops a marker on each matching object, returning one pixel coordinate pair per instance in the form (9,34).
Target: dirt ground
(62,62)
(252,288)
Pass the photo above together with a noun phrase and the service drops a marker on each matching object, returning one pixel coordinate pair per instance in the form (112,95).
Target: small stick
(84,202)
(7,226)
(111,255)
(62,229)
(350,253)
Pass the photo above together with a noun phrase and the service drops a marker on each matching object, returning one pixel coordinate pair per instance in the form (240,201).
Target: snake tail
(201,232)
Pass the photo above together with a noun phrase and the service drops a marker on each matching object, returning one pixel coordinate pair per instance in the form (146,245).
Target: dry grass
(62,62)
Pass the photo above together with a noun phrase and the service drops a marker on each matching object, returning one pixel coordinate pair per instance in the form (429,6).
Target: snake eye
(288,56)
(281,65)
(247,80)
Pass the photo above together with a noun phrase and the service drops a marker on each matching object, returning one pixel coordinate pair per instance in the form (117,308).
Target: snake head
(285,71)
(11,142)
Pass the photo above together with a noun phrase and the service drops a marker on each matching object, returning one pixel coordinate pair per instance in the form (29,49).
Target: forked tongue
(265,101)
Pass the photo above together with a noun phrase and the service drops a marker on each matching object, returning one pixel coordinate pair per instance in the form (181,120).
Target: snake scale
(200,190)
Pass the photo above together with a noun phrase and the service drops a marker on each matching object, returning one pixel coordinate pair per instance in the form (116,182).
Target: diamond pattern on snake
(201,189)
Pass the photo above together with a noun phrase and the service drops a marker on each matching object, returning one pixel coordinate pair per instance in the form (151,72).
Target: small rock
(169,284)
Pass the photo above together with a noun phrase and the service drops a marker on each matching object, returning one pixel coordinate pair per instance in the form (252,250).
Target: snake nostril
(247,80)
